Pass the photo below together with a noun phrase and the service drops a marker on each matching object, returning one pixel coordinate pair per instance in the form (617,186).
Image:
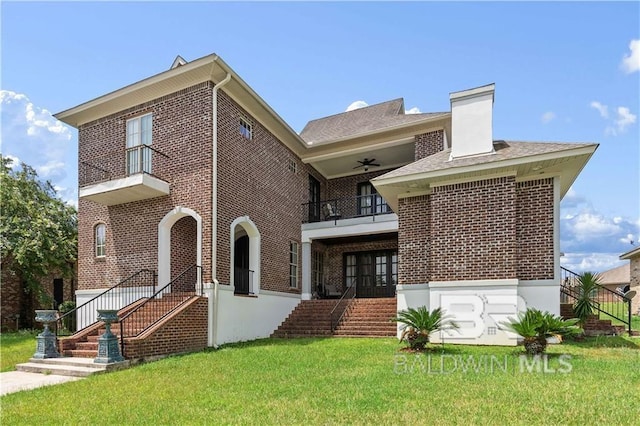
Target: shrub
(535,327)
(419,323)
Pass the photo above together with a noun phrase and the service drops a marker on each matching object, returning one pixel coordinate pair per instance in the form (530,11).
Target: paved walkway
(14,381)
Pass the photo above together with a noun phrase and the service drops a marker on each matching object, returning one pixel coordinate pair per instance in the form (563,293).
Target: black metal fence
(138,286)
(346,208)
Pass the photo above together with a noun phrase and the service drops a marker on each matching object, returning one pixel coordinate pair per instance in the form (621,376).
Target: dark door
(369,202)
(375,273)
(58,292)
(314,199)
(241,265)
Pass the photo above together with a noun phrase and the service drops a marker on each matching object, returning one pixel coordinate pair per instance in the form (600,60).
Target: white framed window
(139,139)
(293,166)
(101,239)
(246,127)
(293,264)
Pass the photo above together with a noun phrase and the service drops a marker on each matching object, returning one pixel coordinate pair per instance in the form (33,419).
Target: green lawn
(16,348)
(618,308)
(361,381)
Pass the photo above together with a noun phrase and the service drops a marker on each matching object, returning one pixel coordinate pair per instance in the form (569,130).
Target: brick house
(192,167)
(634,277)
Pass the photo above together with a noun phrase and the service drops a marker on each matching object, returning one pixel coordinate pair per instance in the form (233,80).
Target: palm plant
(585,304)
(419,323)
(535,327)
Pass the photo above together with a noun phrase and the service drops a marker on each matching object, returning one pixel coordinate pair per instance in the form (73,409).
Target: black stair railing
(341,306)
(166,300)
(138,286)
(606,301)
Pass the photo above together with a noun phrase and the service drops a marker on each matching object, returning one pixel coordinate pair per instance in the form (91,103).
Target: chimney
(472,121)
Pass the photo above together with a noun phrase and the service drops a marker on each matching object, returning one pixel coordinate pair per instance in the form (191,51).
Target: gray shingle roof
(362,120)
(504,150)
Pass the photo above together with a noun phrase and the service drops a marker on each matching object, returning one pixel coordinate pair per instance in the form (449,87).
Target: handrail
(340,308)
(334,209)
(175,293)
(606,301)
(108,299)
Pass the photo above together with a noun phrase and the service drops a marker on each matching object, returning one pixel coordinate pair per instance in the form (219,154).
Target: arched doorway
(245,256)
(179,243)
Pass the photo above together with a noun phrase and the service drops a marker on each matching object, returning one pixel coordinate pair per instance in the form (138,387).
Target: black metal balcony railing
(346,208)
(138,159)
(243,280)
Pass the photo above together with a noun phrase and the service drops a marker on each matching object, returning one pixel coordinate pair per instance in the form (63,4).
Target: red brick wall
(473,231)
(345,190)
(182,130)
(184,243)
(429,143)
(414,230)
(335,252)
(254,180)
(534,229)
(184,331)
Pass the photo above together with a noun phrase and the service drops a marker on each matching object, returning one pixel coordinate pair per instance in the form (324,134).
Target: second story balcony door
(314,199)
(139,139)
(369,202)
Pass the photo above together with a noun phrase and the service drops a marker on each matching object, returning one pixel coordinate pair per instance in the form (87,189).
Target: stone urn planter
(46,342)
(108,347)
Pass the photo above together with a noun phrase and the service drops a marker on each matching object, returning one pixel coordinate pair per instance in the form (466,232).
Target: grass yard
(16,348)
(361,381)
(618,307)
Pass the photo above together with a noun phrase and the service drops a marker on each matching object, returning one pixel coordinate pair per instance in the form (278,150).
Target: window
(374,273)
(139,140)
(350,271)
(369,202)
(246,128)
(293,166)
(293,264)
(100,239)
(318,269)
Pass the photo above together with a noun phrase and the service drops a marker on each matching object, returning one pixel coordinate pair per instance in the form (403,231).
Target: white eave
(567,164)
(209,68)
(630,254)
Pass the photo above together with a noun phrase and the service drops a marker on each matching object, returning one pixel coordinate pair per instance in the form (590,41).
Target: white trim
(254,250)
(164,241)
(540,176)
(280,294)
(556,228)
(538,283)
(473,179)
(338,154)
(139,186)
(453,285)
(415,194)
(411,287)
(349,227)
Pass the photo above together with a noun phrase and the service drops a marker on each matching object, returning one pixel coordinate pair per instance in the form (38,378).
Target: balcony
(111,180)
(368,206)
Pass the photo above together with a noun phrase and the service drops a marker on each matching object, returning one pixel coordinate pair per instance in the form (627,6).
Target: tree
(38,231)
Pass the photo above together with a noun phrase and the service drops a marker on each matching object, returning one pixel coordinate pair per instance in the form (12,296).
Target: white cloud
(631,62)
(618,124)
(51,168)
(414,110)
(548,117)
(591,240)
(15,161)
(356,105)
(603,109)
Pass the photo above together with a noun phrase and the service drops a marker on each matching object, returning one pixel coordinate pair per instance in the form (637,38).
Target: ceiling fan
(366,163)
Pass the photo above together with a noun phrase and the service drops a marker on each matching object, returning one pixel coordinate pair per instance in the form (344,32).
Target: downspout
(214,203)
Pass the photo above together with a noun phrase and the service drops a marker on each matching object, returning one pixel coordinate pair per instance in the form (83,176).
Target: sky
(567,72)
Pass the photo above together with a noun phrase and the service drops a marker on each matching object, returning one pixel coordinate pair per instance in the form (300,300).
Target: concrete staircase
(75,367)
(363,318)
(369,318)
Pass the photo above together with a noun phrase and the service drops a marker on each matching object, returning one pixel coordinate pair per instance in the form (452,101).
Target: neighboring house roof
(631,253)
(619,275)
(360,121)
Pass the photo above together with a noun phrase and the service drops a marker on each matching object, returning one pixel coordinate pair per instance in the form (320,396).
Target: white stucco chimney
(472,121)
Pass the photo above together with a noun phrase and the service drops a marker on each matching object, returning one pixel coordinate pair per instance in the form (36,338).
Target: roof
(619,275)
(631,253)
(362,120)
(504,150)
(525,160)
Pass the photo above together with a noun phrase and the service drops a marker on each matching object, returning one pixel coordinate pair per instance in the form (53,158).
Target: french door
(374,273)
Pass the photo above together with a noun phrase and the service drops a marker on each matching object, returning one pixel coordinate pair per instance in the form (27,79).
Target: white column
(306,271)
(208,291)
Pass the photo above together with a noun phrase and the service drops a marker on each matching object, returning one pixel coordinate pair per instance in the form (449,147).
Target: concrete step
(64,366)
(80,353)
